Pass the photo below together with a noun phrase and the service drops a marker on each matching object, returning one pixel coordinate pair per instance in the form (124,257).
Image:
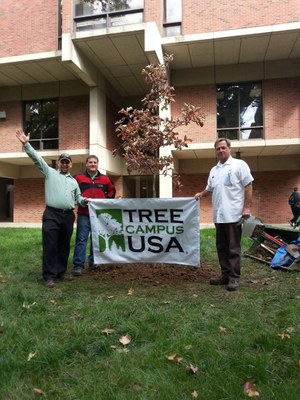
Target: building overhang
(120,53)
(242,149)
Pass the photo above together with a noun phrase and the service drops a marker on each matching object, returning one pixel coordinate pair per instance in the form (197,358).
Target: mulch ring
(155,274)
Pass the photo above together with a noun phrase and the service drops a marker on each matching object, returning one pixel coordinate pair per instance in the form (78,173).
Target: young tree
(143,131)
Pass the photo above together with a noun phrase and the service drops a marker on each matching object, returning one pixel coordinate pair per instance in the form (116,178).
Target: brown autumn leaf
(107,331)
(130,292)
(194,394)
(192,369)
(125,340)
(175,358)
(298,364)
(249,389)
(222,329)
(52,301)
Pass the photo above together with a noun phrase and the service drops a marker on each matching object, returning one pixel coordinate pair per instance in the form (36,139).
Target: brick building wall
(8,127)
(270,201)
(216,15)
(281,108)
(74,122)
(29,200)
(281,99)
(153,11)
(205,97)
(38,21)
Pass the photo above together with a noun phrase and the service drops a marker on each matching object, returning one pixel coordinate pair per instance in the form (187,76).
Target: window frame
(170,24)
(106,16)
(27,125)
(240,129)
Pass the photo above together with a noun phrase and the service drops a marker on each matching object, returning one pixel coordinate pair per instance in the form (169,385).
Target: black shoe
(219,281)
(78,271)
(93,266)
(50,283)
(233,285)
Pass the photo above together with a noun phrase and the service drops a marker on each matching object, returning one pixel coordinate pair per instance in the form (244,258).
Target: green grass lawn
(184,342)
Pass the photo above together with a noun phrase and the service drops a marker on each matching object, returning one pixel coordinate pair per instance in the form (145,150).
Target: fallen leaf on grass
(290,329)
(130,292)
(284,336)
(194,394)
(27,306)
(193,370)
(38,391)
(30,356)
(222,329)
(175,358)
(53,301)
(166,302)
(107,331)
(298,364)
(110,297)
(124,350)
(249,389)
(125,340)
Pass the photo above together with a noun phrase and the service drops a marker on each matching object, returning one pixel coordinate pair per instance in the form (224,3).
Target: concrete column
(98,125)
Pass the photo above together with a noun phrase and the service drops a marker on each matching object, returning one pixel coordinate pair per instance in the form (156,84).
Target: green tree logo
(111,230)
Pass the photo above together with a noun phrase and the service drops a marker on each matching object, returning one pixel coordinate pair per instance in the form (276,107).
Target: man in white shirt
(230,183)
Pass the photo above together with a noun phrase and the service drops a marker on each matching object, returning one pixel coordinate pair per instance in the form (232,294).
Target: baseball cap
(65,156)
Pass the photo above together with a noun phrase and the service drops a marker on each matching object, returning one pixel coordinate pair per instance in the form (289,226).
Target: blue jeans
(82,235)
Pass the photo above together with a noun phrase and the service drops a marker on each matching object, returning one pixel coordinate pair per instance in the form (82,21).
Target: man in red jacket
(93,185)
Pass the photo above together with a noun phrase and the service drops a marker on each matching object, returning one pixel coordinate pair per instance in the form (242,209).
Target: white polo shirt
(227,183)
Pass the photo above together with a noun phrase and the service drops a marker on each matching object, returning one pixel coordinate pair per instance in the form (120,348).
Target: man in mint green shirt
(62,194)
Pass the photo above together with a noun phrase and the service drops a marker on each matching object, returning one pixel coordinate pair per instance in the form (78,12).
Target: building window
(240,111)
(97,14)
(41,120)
(140,186)
(172,17)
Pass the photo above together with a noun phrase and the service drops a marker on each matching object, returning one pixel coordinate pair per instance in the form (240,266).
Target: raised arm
(22,137)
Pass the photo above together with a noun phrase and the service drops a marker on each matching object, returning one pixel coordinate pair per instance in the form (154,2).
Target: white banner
(145,231)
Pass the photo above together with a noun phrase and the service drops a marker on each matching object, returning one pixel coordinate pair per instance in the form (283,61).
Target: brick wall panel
(281,108)
(28,26)
(8,126)
(74,122)
(215,15)
(270,194)
(29,200)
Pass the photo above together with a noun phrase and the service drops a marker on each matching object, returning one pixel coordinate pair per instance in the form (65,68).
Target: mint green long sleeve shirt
(61,190)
